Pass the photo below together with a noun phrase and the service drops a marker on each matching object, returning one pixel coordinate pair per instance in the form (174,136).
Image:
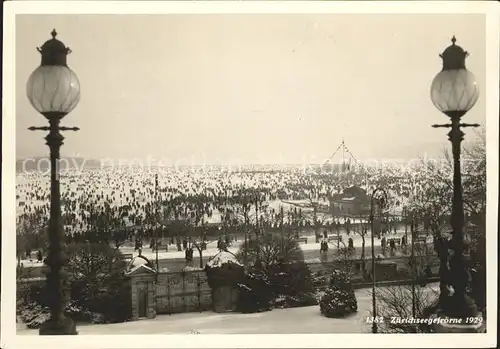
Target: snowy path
(212,247)
(296,320)
(212,250)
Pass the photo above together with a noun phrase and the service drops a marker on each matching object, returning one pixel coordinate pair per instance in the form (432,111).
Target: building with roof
(352,202)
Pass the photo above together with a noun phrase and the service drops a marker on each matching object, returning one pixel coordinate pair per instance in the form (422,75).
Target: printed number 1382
(377,320)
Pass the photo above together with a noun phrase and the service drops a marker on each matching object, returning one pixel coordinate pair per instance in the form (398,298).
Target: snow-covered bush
(300,299)
(98,318)
(319,295)
(255,293)
(339,299)
(31,292)
(338,303)
(222,258)
(281,259)
(341,280)
(223,269)
(320,279)
(76,313)
(478,267)
(33,315)
(224,273)
(292,283)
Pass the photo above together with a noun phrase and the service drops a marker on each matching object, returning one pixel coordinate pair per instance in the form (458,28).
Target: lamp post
(382,201)
(454,92)
(405,218)
(53,90)
(413,269)
(159,226)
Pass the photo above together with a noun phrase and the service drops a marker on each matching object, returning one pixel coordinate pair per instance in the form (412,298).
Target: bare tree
(271,249)
(395,306)
(30,231)
(105,225)
(345,257)
(432,203)
(90,261)
(189,221)
(437,179)
(362,231)
(313,190)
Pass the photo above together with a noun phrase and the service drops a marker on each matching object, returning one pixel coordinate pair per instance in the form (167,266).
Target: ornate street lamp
(379,195)
(158,226)
(54,90)
(454,92)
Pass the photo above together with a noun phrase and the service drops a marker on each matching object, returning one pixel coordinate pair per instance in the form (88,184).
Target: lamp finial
(454,56)
(53,51)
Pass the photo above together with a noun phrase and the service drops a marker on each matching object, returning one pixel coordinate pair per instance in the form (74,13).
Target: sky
(249,89)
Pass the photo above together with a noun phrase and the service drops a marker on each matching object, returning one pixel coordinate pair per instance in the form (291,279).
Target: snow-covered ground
(296,320)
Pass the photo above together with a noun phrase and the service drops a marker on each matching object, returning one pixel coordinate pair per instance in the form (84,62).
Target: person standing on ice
(178,243)
(323,251)
(392,245)
(189,256)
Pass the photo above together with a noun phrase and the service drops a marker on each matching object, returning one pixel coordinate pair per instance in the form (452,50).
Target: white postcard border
(8,335)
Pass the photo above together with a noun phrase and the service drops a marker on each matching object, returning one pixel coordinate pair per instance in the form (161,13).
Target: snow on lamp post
(53,90)
(454,92)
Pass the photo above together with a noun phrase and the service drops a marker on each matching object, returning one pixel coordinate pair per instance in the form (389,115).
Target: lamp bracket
(43,128)
(47,128)
(443,125)
(461,125)
(469,125)
(64,128)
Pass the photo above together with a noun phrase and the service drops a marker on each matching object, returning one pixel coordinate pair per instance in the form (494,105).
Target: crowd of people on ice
(194,205)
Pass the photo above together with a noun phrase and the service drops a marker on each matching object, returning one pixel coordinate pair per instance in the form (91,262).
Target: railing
(432,279)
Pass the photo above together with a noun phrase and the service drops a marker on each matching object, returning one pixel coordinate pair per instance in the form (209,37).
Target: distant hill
(43,164)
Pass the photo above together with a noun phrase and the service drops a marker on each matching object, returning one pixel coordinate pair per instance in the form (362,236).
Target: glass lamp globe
(454,90)
(53,88)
